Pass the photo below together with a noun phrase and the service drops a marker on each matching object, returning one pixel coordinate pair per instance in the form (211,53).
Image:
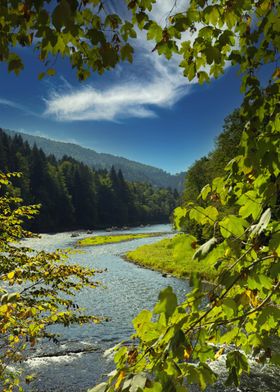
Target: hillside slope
(132,171)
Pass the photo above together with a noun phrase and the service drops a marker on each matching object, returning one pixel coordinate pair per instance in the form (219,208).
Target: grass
(164,256)
(112,239)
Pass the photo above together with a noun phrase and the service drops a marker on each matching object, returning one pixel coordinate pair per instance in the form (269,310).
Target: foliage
(204,170)
(173,256)
(75,196)
(239,316)
(112,239)
(37,288)
(92,38)
(132,171)
(177,342)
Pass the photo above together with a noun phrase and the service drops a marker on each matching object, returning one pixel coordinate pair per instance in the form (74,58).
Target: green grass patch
(112,239)
(168,256)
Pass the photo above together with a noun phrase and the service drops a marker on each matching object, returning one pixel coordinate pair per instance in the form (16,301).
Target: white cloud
(135,96)
(11,104)
(151,82)
(15,105)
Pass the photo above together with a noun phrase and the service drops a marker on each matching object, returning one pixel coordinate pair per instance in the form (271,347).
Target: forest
(74,196)
(235,216)
(132,171)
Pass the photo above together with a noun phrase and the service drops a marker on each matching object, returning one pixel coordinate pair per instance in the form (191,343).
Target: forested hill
(132,171)
(74,196)
(204,170)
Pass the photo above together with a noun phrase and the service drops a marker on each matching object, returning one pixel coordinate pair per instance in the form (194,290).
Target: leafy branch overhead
(83,31)
(237,212)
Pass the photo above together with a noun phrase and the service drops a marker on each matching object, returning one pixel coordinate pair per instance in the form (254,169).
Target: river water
(77,362)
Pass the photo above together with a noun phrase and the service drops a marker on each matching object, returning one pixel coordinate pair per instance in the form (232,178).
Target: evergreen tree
(74,196)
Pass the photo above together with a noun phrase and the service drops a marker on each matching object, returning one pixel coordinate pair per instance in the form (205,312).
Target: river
(77,362)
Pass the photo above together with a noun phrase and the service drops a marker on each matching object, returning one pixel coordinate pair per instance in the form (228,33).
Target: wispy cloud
(152,82)
(129,97)
(16,105)
(11,104)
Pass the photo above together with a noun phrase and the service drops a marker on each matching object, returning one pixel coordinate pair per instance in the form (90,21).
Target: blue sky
(146,111)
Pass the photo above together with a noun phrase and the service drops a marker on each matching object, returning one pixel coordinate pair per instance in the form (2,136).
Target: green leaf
(214,15)
(233,226)
(62,15)
(211,214)
(229,335)
(206,376)
(143,317)
(197,214)
(156,387)
(127,31)
(179,213)
(274,243)
(127,53)
(212,54)
(275,359)
(154,32)
(167,302)
(51,72)
(250,208)
(15,63)
(41,75)
(109,55)
(120,355)
(205,191)
(184,247)
(203,77)
(231,19)
(236,362)
(229,307)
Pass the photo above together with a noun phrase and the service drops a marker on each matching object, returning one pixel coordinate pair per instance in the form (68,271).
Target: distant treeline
(132,171)
(74,196)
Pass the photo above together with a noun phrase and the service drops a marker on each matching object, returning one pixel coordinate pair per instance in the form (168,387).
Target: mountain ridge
(132,170)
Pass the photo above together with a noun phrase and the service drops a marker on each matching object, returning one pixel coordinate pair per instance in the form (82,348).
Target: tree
(84,31)
(37,288)
(203,172)
(177,341)
(73,195)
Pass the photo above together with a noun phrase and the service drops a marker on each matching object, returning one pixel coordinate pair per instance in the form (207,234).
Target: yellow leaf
(253,298)
(187,353)
(120,378)
(16,339)
(3,309)
(227,252)
(276,73)
(11,275)
(219,353)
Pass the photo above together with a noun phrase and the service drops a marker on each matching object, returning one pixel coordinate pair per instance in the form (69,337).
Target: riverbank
(115,238)
(162,256)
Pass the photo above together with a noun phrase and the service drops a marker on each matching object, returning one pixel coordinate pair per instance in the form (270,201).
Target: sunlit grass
(112,239)
(161,256)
